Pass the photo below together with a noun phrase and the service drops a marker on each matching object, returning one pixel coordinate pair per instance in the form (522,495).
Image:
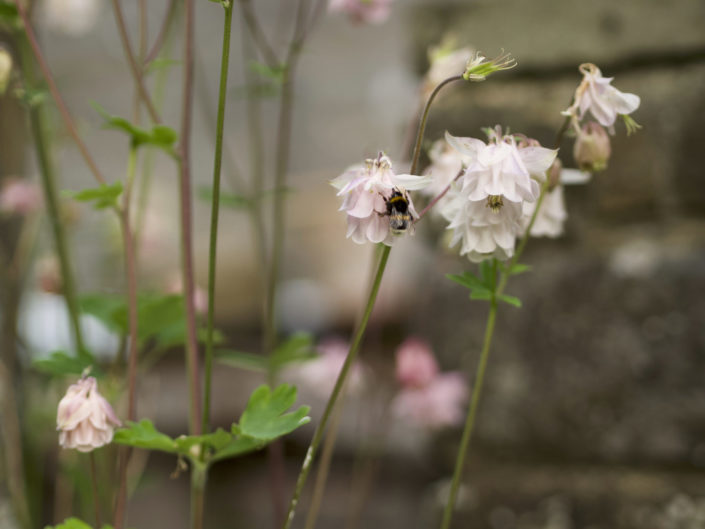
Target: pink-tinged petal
(364,205)
(623,103)
(377,228)
(537,159)
(411,182)
(468,146)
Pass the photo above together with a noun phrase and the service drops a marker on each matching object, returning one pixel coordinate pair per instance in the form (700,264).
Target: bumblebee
(398,211)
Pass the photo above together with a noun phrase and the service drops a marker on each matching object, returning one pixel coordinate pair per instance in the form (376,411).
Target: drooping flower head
(363,11)
(365,189)
(501,168)
(604,102)
(84,419)
(592,148)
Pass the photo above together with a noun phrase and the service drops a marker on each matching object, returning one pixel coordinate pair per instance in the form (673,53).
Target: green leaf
(265,417)
(73,523)
(256,90)
(276,73)
(241,360)
(61,363)
(517,269)
(143,434)
(159,136)
(108,308)
(481,293)
(236,447)
(510,299)
(9,15)
(298,347)
(104,196)
(468,280)
(228,200)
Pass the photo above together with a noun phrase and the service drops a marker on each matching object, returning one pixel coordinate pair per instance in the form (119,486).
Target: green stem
(225,56)
(352,353)
(472,412)
(199,474)
(46,172)
(96,496)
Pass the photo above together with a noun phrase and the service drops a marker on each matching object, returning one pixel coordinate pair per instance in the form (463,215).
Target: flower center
(495,203)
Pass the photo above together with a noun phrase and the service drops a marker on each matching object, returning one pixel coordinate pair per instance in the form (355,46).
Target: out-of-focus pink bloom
(319,375)
(200,296)
(439,404)
(84,419)
(416,365)
(72,17)
(363,11)
(364,189)
(20,197)
(596,95)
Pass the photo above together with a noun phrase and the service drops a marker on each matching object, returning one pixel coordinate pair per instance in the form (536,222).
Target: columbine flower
(364,189)
(5,69)
(483,228)
(591,149)
(19,197)
(321,373)
(500,168)
(604,101)
(416,365)
(85,419)
(363,11)
(479,67)
(73,17)
(427,398)
(551,217)
(446,165)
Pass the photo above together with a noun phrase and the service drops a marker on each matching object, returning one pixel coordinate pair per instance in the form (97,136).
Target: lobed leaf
(103,196)
(242,360)
(60,363)
(143,434)
(264,417)
(159,136)
(512,300)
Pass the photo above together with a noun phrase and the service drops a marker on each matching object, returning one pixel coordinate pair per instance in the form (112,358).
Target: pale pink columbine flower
(416,366)
(482,229)
(427,398)
(175,285)
(500,168)
(320,374)
(596,95)
(364,189)
(363,11)
(85,420)
(20,197)
(446,165)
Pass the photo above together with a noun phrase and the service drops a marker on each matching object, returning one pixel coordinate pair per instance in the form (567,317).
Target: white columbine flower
(481,230)
(500,168)
(364,189)
(84,418)
(446,165)
(604,101)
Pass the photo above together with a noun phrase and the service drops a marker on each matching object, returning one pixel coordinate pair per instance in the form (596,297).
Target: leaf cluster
(266,418)
(299,347)
(484,285)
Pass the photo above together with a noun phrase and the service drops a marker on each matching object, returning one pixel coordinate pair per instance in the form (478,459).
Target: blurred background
(593,415)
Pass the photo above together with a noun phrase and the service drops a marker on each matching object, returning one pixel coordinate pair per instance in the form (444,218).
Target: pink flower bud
(84,419)
(554,174)
(592,147)
(20,197)
(416,365)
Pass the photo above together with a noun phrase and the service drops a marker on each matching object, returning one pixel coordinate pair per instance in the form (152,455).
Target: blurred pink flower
(20,197)
(363,11)
(437,405)
(416,365)
(200,296)
(320,374)
(84,418)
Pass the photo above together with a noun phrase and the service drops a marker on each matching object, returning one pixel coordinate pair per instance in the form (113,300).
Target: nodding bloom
(365,189)
(592,148)
(20,197)
(596,95)
(427,398)
(501,168)
(363,11)
(85,420)
(321,373)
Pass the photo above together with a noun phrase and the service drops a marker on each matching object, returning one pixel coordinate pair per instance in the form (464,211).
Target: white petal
(411,182)
(537,159)
(467,146)
(623,103)
(574,176)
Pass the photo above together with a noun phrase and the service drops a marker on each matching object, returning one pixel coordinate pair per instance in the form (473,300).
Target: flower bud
(592,148)
(84,419)
(5,69)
